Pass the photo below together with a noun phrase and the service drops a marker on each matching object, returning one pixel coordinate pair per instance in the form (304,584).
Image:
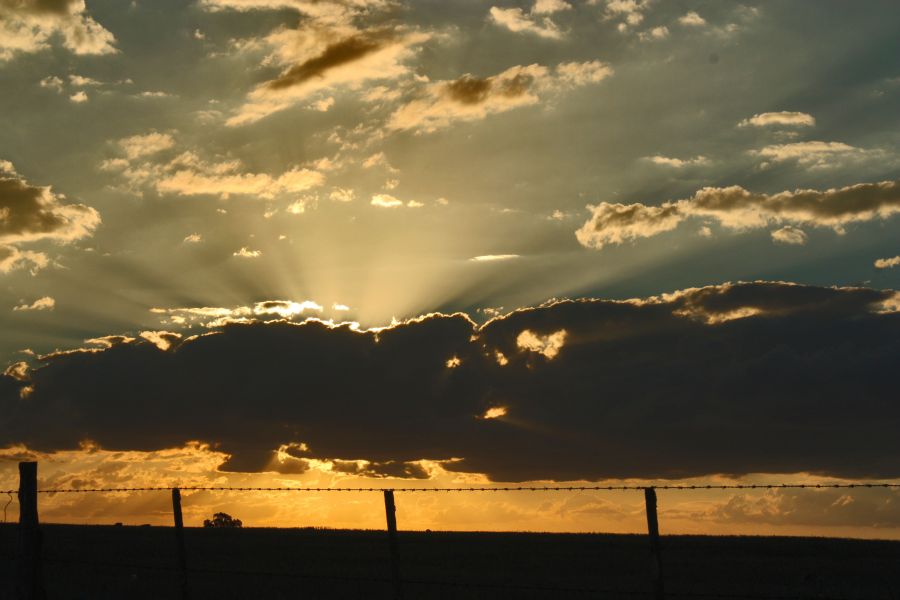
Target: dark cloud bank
(682,385)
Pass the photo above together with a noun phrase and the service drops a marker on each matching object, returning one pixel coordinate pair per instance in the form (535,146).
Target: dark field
(135,562)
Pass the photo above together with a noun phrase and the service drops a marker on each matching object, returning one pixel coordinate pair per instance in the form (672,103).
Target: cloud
(782,118)
(138,146)
(193,238)
(45,303)
(684,384)
(245,252)
(323,62)
(548,7)
(493,257)
(811,154)
(12,259)
(692,19)
(536,23)
(216,316)
(678,163)
(887,263)
(385,201)
(187,174)
(657,33)
(471,98)
(789,235)
(736,208)
(631,12)
(79,97)
(28,26)
(30,213)
(824,507)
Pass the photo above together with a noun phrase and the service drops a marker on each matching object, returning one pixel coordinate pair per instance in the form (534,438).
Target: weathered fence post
(29,583)
(179,542)
(656,577)
(391,510)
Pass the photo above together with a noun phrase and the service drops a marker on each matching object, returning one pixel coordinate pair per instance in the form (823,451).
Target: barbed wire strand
(574,488)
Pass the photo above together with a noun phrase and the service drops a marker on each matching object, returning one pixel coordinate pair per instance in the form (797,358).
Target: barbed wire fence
(29,555)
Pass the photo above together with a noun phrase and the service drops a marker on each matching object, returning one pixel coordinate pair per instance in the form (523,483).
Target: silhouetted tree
(222,520)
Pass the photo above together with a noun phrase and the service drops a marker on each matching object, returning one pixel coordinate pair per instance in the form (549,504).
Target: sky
(397,243)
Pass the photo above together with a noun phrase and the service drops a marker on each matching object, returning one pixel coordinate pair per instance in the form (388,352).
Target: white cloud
(549,345)
(79,97)
(29,27)
(472,98)
(736,208)
(246,252)
(813,154)
(692,19)
(783,118)
(887,263)
(52,82)
(12,259)
(657,33)
(189,175)
(548,7)
(517,21)
(493,257)
(137,146)
(45,303)
(194,238)
(80,81)
(385,201)
(789,235)
(323,105)
(678,163)
(341,195)
(319,62)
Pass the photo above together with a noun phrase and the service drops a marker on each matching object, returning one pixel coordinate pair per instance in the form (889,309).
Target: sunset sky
(417,242)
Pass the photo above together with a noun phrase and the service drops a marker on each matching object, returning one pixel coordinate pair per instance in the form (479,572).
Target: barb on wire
(574,488)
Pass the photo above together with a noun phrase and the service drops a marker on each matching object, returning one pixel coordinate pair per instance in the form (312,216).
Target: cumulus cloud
(629,13)
(789,235)
(28,26)
(12,259)
(783,119)
(471,98)
(736,208)
(332,59)
(45,303)
(537,22)
(887,263)
(146,144)
(30,213)
(692,19)
(593,389)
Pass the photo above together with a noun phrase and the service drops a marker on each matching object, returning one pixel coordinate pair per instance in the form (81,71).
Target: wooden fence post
(391,510)
(29,583)
(181,554)
(656,577)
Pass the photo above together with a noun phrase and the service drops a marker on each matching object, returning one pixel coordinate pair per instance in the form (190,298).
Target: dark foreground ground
(137,562)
